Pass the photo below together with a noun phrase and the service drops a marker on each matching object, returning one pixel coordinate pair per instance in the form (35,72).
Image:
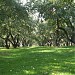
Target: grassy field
(37,61)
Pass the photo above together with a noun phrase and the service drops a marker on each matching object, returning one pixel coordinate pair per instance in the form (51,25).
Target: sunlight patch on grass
(62,48)
(32,47)
(60,73)
(46,67)
(73,63)
(6,56)
(58,51)
(29,72)
(56,67)
(4,49)
(42,51)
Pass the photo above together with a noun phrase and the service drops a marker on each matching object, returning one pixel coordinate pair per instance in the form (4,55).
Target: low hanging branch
(69,38)
(68,22)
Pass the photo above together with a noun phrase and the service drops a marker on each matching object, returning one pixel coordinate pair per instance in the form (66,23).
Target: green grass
(37,61)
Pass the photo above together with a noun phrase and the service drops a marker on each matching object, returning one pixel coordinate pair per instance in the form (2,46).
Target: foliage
(46,22)
(62,14)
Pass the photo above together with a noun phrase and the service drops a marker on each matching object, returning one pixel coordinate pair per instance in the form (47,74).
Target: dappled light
(3,49)
(61,73)
(37,37)
(30,72)
(38,61)
(44,51)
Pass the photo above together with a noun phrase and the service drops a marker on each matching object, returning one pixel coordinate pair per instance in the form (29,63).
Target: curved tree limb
(70,39)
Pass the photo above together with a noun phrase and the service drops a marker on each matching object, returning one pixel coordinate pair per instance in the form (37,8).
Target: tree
(13,15)
(62,13)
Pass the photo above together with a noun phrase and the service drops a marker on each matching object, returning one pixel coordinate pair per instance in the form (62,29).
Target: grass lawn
(37,61)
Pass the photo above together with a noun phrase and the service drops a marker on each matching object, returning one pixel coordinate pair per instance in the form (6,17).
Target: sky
(24,1)
(36,14)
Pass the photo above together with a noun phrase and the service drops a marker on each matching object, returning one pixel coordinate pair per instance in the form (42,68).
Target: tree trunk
(6,44)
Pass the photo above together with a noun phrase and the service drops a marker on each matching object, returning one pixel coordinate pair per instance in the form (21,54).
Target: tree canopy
(54,24)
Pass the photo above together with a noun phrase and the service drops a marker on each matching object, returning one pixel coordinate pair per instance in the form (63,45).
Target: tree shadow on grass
(38,61)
